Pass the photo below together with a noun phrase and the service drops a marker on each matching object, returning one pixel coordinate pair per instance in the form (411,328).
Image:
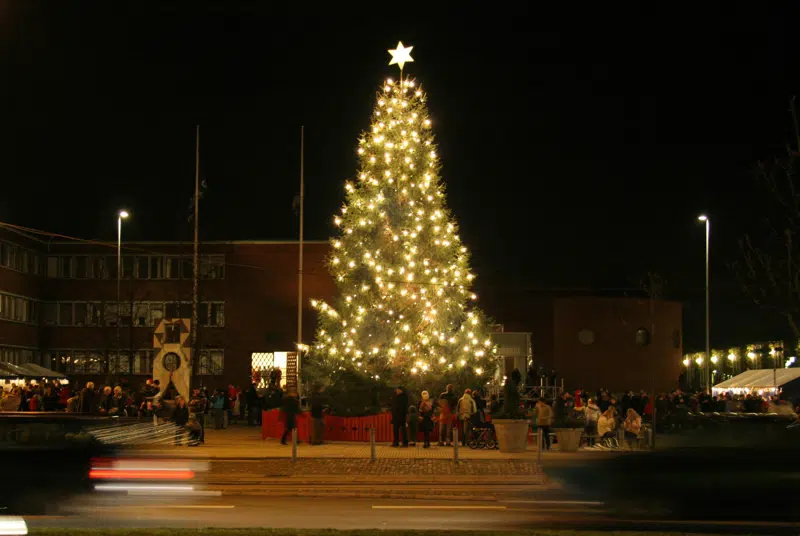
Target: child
(413,421)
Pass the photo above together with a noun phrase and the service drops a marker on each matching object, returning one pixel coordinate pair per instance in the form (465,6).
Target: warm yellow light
(400,56)
(751,355)
(686,362)
(702,217)
(123,214)
(731,357)
(699,360)
(714,359)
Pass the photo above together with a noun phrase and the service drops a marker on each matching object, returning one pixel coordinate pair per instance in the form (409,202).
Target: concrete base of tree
(569,439)
(512,434)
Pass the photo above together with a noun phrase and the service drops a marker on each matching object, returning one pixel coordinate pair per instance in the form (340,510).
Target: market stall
(764,382)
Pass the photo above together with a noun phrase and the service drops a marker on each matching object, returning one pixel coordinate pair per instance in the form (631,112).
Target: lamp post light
(707,221)
(123,214)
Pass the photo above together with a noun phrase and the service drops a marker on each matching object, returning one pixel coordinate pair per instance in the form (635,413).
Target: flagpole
(300,261)
(196,261)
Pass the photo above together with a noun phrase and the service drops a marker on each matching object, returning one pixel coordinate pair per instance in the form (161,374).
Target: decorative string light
(402,273)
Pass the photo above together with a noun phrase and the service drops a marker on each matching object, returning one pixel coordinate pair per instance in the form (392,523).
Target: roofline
(186,242)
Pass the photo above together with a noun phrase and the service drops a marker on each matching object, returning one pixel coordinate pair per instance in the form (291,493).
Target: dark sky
(578,146)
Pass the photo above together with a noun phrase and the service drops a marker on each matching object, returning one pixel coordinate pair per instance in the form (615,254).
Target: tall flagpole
(300,261)
(196,260)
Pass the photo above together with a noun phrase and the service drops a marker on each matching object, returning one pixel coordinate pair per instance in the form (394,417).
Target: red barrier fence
(336,428)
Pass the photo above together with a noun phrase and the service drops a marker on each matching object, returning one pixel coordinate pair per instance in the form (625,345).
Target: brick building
(58,308)
(617,343)
(58,303)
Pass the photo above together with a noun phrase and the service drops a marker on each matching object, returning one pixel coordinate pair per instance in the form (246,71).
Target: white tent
(759,380)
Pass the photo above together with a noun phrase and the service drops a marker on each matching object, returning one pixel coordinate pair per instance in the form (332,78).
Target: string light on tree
(402,272)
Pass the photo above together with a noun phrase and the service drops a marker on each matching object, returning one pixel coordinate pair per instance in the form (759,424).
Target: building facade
(616,343)
(59,305)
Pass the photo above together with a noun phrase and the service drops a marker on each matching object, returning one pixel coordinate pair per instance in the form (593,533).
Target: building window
(211,362)
(187,268)
(110,313)
(642,337)
(143,362)
(18,258)
(19,355)
(119,363)
(127,267)
(156,267)
(82,267)
(65,267)
(87,314)
(141,314)
(586,336)
(212,267)
(17,309)
(65,314)
(52,266)
(143,267)
(173,268)
(99,268)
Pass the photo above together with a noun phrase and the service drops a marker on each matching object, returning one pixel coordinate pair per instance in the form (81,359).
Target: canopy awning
(759,379)
(38,371)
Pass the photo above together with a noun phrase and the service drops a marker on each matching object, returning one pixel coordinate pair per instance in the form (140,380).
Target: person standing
(180,416)
(290,409)
(447,406)
(544,419)
(591,415)
(218,408)
(197,406)
(426,418)
(466,409)
(399,415)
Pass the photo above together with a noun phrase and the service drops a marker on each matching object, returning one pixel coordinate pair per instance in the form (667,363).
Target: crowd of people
(470,411)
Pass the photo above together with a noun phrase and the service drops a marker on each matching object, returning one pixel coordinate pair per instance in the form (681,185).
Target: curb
(351,495)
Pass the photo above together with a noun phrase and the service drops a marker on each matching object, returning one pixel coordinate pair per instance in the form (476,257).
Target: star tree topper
(401,55)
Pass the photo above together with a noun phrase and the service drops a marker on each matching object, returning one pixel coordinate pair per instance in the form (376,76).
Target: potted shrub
(569,429)
(510,424)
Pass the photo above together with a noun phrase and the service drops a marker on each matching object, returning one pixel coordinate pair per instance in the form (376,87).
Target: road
(320,513)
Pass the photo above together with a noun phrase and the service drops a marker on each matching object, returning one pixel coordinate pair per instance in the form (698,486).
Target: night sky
(578,146)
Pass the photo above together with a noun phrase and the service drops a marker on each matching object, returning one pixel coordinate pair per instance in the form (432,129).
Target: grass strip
(333,532)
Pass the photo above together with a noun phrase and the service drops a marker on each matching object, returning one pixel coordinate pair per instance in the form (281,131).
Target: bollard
(294,445)
(455,444)
(372,455)
(155,421)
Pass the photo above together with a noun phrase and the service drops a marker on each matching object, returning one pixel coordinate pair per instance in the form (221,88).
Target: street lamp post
(121,216)
(707,221)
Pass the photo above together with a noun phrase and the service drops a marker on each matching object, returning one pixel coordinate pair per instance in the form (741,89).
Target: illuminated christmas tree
(403,314)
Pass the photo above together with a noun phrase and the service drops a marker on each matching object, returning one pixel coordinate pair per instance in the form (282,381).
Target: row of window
(211,361)
(19,355)
(29,261)
(138,314)
(19,259)
(134,267)
(17,308)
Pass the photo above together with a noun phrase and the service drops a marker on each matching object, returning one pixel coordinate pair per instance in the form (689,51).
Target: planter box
(569,439)
(512,434)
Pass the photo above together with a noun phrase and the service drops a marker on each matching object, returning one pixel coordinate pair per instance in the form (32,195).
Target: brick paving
(243,443)
(364,467)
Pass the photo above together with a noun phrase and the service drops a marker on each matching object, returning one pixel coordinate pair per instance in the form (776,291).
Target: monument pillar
(173,360)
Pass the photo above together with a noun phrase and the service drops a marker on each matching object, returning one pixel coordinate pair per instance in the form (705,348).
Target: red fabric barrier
(336,428)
